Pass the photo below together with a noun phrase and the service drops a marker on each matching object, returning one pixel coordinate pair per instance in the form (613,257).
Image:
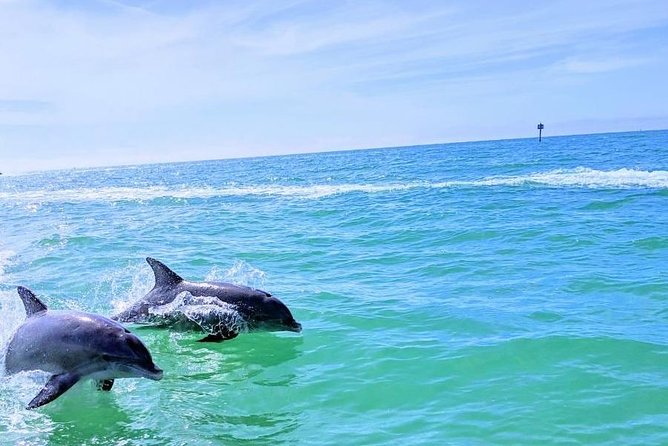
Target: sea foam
(586,177)
(580,177)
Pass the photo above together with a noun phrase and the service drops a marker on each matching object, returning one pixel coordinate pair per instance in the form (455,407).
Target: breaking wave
(580,177)
(586,177)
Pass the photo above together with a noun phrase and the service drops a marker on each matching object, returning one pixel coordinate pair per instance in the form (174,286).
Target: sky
(95,83)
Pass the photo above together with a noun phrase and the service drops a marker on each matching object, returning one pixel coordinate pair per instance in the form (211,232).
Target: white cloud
(280,76)
(590,66)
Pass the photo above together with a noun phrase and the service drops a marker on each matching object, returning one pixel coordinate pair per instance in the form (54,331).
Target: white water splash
(209,313)
(5,259)
(13,315)
(579,177)
(124,295)
(241,273)
(24,427)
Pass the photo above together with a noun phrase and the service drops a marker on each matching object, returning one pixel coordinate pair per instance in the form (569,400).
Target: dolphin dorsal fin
(163,275)
(30,301)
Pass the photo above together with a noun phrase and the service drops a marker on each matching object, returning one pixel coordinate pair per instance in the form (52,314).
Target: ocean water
(503,292)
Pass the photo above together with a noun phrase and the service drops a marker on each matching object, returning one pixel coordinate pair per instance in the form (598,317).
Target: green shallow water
(484,293)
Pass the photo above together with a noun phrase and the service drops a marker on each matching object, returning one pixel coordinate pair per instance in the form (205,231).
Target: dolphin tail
(55,386)
(163,275)
(31,303)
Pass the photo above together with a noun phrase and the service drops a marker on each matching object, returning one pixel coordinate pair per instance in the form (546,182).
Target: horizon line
(119,166)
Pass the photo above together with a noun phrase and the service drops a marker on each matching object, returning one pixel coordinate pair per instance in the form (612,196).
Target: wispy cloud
(259,77)
(591,66)
(23,106)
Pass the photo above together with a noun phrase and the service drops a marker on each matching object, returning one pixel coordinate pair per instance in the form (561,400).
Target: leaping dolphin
(73,345)
(253,309)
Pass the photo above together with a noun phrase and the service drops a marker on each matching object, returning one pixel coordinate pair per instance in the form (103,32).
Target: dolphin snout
(155,373)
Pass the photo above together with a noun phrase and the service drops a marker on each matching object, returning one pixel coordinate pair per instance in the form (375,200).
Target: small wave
(578,177)
(114,194)
(586,177)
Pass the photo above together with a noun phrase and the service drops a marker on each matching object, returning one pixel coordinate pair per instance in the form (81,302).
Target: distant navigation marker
(540,131)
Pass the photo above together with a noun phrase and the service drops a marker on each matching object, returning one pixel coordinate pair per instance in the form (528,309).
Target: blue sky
(89,83)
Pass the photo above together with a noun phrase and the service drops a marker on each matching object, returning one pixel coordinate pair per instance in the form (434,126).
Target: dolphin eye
(105,357)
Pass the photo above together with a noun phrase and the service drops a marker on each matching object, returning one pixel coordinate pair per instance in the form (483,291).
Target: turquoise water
(504,292)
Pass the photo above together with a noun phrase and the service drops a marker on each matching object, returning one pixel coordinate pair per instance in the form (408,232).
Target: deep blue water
(502,292)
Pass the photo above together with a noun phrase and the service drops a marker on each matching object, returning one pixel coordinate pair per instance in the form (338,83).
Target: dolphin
(252,309)
(73,345)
